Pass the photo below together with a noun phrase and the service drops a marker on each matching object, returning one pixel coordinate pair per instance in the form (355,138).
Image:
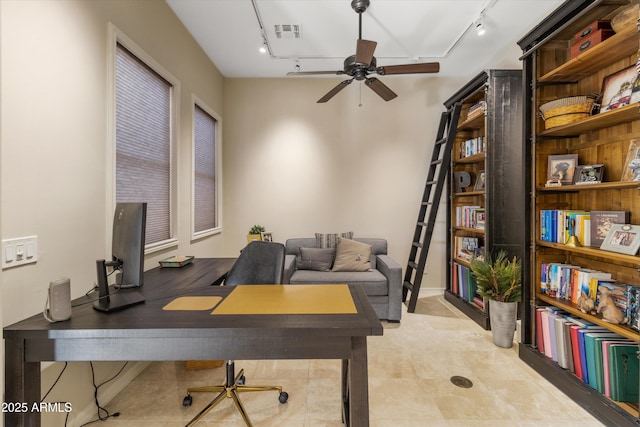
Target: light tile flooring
(410,370)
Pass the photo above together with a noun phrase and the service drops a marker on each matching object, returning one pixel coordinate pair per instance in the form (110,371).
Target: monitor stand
(114,299)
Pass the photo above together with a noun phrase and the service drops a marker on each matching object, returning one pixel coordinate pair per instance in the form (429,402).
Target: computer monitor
(127,251)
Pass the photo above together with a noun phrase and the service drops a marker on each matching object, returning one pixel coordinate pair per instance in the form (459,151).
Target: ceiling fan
(363,63)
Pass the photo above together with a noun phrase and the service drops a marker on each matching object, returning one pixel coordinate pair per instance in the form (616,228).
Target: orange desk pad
(288,299)
(193,303)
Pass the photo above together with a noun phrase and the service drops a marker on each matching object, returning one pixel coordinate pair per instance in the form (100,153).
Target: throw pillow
(352,256)
(329,240)
(315,259)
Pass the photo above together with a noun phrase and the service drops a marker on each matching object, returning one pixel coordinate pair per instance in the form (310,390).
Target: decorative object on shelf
(622,238)
(477,110)
(607,307)
(631,169)
(625,18)
(586,303)
(255,233)
(567,110)
(500,281)
(267,236)
(560,169)
(462,180)
(601,222)
(480,182)
(573,241)
(616,89)
(590,36)
(588,174)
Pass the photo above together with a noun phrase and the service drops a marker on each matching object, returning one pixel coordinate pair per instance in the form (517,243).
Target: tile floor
(410,370)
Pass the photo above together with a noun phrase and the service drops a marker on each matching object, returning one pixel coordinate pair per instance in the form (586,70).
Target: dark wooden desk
(146,332)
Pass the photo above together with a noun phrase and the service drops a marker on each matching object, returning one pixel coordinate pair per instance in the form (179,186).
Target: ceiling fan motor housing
(358,70)
(360,5)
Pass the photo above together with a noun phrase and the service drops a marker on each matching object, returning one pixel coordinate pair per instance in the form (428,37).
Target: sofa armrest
(289,268)
(393,272)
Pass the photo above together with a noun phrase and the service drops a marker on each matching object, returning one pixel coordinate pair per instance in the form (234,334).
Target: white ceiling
(407,31)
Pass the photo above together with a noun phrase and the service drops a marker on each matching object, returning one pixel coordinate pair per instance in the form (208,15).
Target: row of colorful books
(569,282)
(464,285)
(591,228)
(471,147)
(605,360)
(470,216)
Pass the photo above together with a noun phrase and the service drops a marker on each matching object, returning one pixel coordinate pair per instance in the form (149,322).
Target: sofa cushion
(315,259)
(373,282)
(330,240)
(352,256)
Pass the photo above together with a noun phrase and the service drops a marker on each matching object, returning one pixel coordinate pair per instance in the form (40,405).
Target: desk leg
(22,386)
(355,385)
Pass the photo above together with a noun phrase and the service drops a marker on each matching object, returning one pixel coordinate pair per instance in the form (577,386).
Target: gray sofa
(382,283)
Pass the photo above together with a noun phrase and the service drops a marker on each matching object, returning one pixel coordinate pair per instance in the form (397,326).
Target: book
(592,355)
(633,314)
(623,372)
(601,222)
(606,367)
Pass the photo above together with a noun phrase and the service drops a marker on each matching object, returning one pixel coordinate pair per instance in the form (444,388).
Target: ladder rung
(427,203)
(436,162)
(413,265)
(431,182)
(417,244)
(441,141)
(422,223)
(408,285)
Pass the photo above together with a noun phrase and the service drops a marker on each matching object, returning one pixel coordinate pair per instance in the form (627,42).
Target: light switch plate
(19,251)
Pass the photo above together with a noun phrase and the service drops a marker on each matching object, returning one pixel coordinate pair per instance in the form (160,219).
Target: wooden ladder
(436,178)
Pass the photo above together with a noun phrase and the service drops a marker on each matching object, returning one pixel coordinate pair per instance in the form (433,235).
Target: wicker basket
(567,110)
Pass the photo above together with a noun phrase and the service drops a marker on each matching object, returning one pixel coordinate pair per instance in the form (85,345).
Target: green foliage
(498,279)
(257,229)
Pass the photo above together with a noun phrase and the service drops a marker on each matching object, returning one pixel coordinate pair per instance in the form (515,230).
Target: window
(144,129)
(206,171)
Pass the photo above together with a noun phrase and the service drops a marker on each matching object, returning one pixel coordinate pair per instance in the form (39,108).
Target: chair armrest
(289,268)
(393,272)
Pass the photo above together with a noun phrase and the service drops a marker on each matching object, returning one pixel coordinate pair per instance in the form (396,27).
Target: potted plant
(255,233)
(499,281)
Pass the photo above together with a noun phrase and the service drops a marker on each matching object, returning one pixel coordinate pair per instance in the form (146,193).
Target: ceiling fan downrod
(360,6)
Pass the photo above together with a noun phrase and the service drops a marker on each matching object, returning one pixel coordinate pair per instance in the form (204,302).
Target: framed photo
(267,236)
(561,168)
(631,169)
(622,238)
(588,174)
(617,88)
(480,181)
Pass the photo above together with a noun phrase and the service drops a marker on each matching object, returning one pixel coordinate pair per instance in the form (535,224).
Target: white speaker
(59,300)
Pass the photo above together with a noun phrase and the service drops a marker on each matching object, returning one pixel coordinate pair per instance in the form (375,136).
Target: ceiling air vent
(288,31)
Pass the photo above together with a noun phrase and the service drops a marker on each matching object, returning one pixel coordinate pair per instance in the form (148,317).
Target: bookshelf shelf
(602,138)
(501,201)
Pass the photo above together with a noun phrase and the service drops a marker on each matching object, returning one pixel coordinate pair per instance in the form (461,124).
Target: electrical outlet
(19,251)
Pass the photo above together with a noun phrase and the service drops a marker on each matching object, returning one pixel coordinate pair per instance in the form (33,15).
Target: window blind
(205,216)
(143,141)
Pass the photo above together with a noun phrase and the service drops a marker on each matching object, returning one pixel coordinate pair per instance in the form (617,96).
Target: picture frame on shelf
(267,236)
(622,238)
(480,182)
(561,169)
(588,174)
(631,169)
(617,88)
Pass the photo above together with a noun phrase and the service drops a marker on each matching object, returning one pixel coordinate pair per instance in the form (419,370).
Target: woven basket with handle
(567,110)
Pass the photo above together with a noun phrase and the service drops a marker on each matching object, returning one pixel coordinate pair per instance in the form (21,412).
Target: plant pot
(503,322)
(252,237)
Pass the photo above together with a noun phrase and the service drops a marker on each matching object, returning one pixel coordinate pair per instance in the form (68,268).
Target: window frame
(117,37)
(197,102)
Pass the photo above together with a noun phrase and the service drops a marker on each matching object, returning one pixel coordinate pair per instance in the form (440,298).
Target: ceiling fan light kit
(363,63)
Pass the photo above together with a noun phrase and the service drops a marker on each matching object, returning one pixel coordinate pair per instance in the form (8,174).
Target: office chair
(258,263)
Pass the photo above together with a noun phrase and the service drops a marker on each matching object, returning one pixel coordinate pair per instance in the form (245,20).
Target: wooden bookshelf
(500,126)
(601,138)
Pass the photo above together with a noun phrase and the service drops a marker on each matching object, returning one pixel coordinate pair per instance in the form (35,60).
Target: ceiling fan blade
(380,88)
(364,51)
(314,73)
(425,67)
(334,91)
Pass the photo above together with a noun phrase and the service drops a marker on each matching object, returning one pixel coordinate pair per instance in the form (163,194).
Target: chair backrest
(258,263)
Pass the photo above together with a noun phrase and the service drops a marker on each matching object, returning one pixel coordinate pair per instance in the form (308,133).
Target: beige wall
(290,164)
(53,146)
